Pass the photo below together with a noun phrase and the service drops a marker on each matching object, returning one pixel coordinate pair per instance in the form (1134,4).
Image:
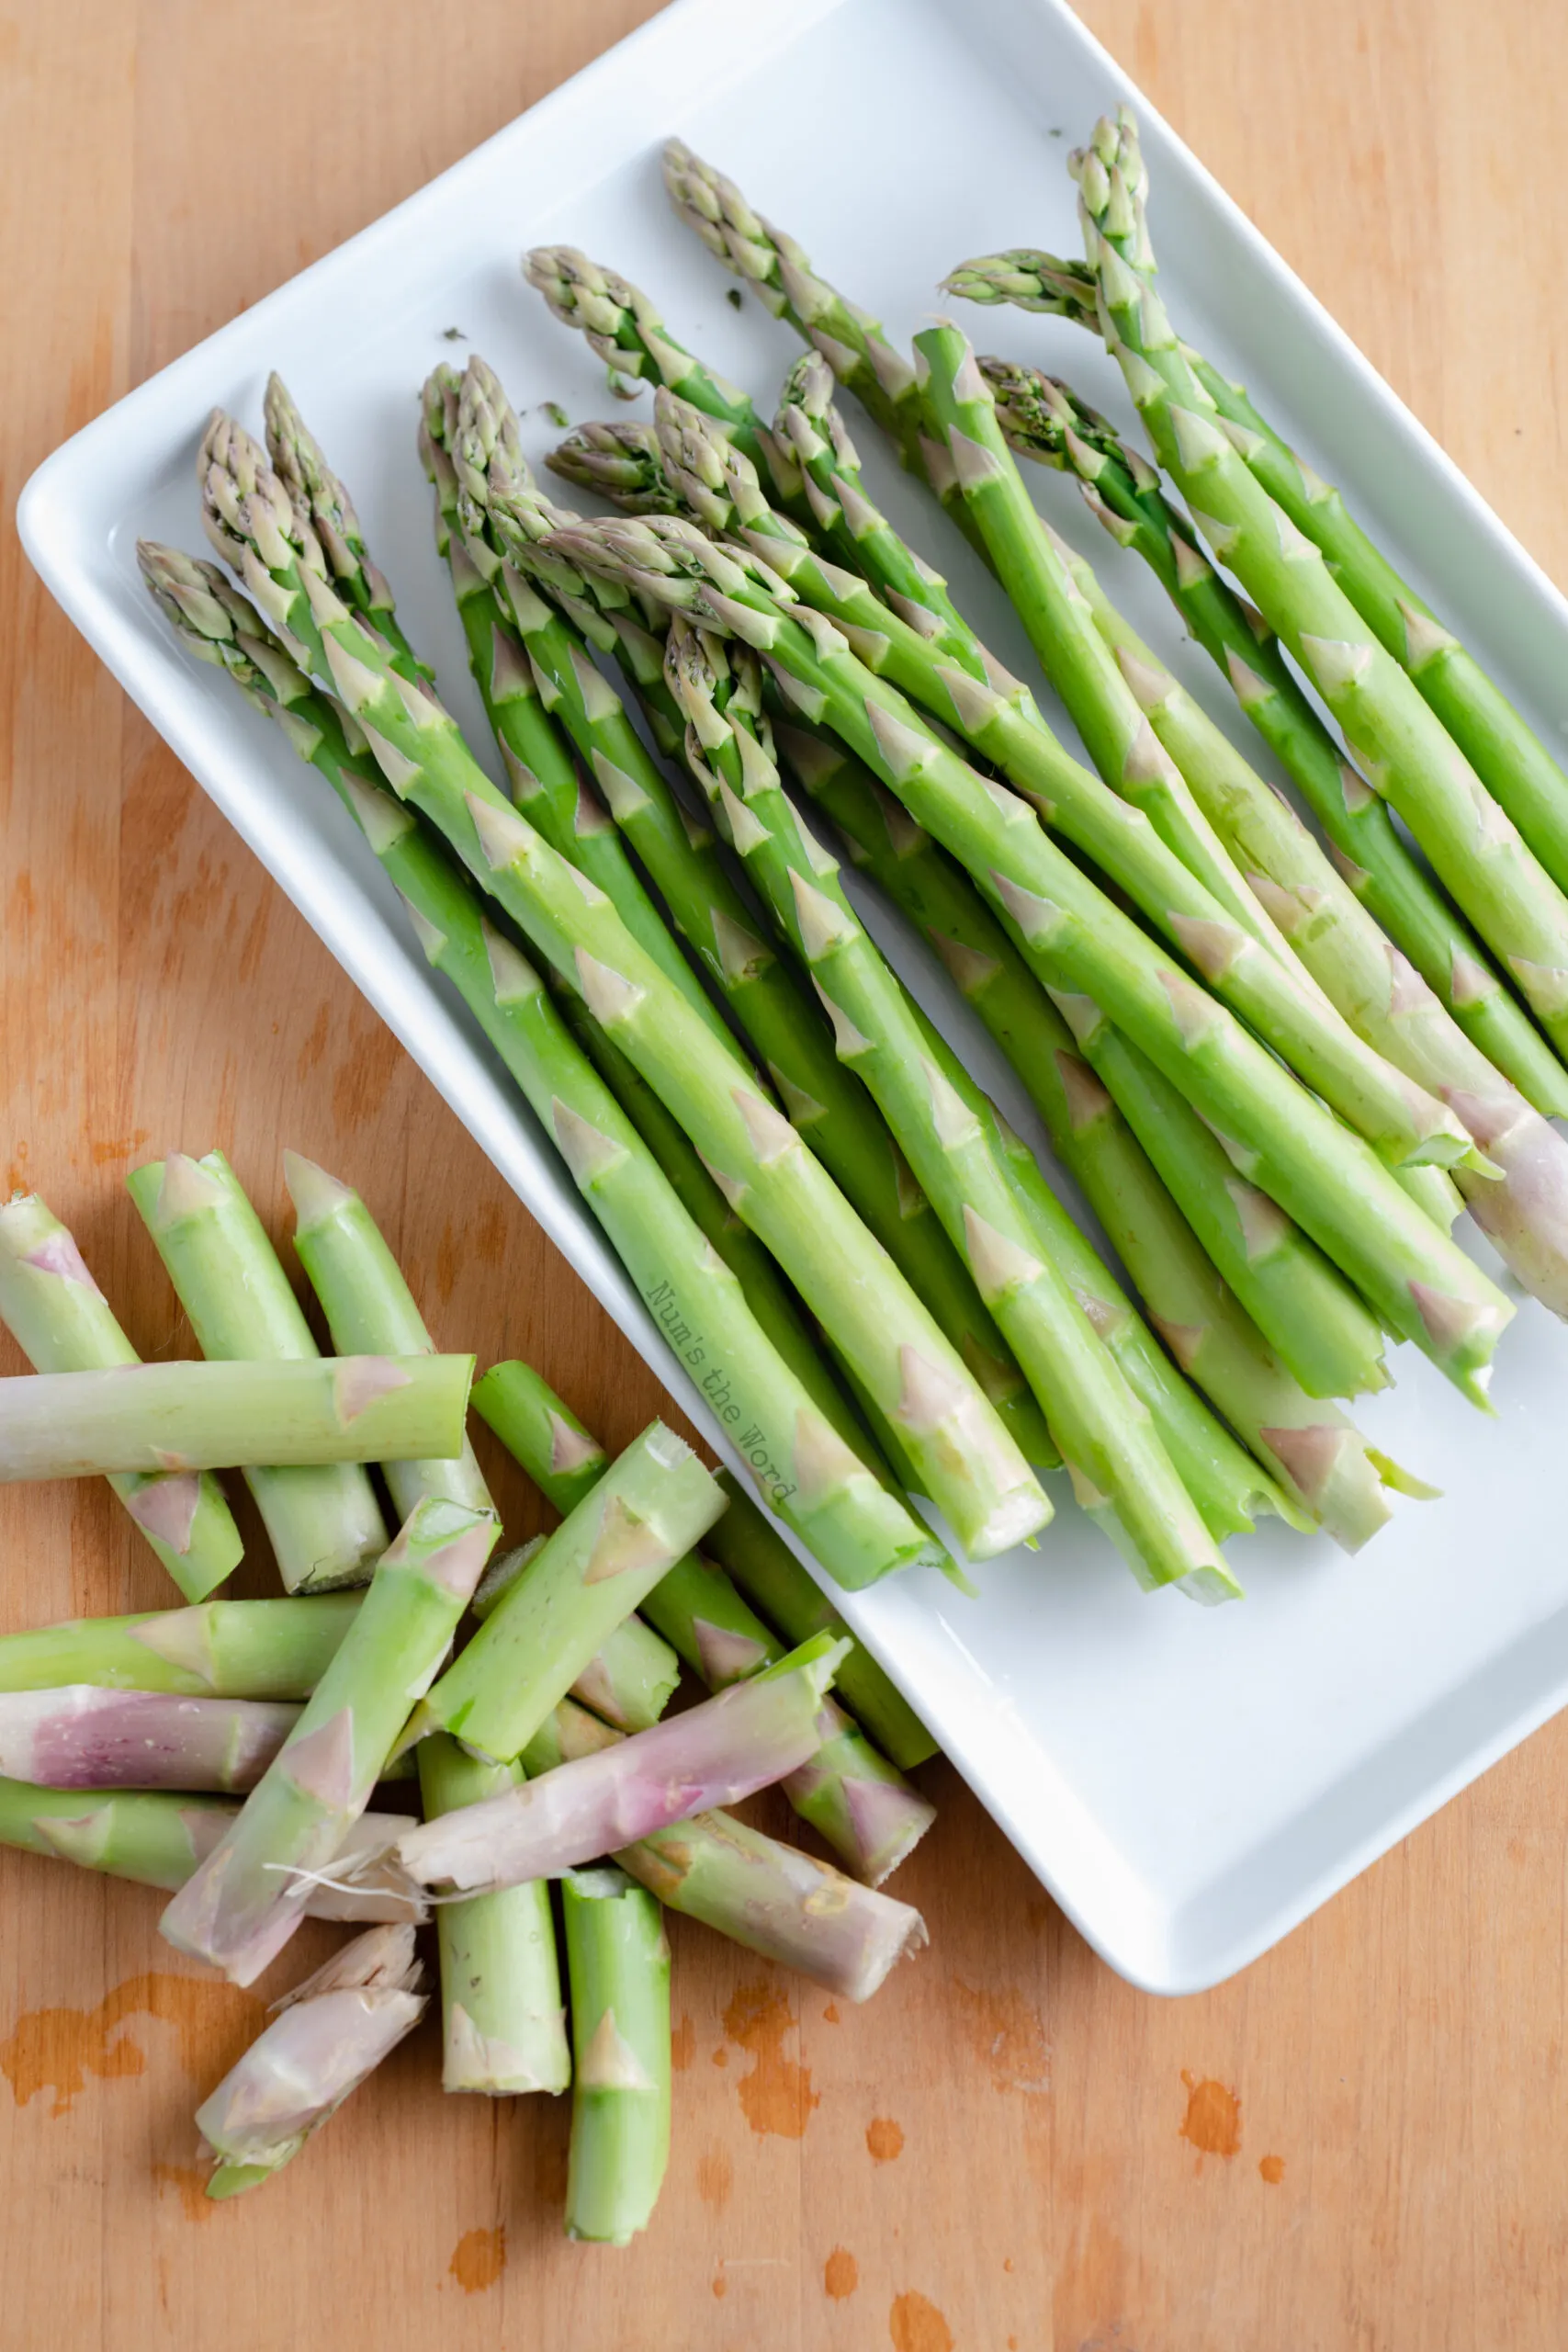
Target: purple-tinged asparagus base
(745,1740)
(84,1738)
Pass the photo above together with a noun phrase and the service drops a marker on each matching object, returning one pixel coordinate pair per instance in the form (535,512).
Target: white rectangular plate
(1187,1783)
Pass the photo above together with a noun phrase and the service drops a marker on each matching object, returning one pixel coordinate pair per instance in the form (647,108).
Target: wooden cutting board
(1361,2143)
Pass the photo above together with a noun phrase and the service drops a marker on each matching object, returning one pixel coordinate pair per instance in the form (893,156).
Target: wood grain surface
(1363,2142)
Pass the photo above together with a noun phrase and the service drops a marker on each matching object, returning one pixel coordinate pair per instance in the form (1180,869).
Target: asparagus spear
(228,1649)
(539,763)
(370,1311)
(858,1802)
(301,465)
(773,1899)
(858,1529)
(325,2037)
(501,508)
(1244,959)
(325,1524)
(1395,739)
(1200,1321)
(1422,1287)
(159,1838)
(853,345)
(503,2028)
(244,1903)
(947,1129)
(1385,1000)
(630,1678)
(727,1747)
(61,1322)
(618,1963)
(80,1736)
(602,1561)
(629,334)
(148,1417)
(1512,763)
(1044,420)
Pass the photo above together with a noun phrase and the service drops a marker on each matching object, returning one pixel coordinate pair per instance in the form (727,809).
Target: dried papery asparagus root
(62,1322)
(325,2037)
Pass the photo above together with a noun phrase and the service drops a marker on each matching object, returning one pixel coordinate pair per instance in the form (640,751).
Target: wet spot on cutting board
(885,2139)
(917,2325)
(487,1235)
(1007,2036)
(1213,2122)
(716,2178)
(477,2259)
(117,1148)
(190,2182)
(362,1078)
(57,2049)
(840,2274)
(683,2045)
(720,2285)
(1272,2169)
(776,2096)
(830,2014)
(315,1042)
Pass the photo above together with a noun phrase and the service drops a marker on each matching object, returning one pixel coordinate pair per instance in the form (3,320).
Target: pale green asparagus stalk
(146,1417)
(370,1311)
(618,1965)
(1008,1228)
(325,2037)
(600,1564)
(859,1803)
(1326,1178)
(1396,740)
(218,1649)
(1203,1323)
(503,2027)
(1045,420)
(858,1528)
(245,1902)
(1512,762)
(61,1322)
(506,520)
(631,1675)
(325,1524)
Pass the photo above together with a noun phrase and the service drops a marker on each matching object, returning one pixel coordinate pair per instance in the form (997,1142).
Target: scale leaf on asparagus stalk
(857,1527)
(1327,1179)
(61,1322)
(216,1649)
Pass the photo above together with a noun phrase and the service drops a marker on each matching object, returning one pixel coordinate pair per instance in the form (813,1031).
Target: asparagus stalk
(244,1903)
(1395,739)
(1044,420)
(858,1529)
(1336,1188)
(325,1524)
(618,1964)
(1244,960)
(218,1649)
(540,767)
(148,1417)
(1384,997)
(761,1564)
(947,1129)
(770,1897)
(301,465)
(503,2028)
(501,508)
(325,2037)
(61,1322)
(1512,763)
(370,1311)
(852,344)
(159,1839)
(726,1749)
(629,334)
(602,1561)
(82,1736)
(630,1678)
(1202,1321)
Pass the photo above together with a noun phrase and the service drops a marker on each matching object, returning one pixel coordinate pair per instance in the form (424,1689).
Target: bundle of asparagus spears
(542,1748)
(1278,1049)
